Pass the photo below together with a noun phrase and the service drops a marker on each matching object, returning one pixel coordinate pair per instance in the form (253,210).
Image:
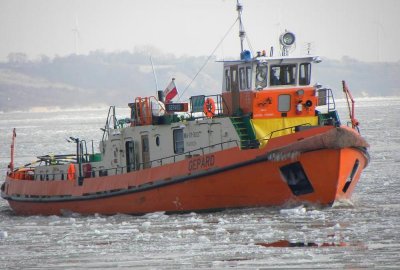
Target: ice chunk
(337,226)
(156,215)
(146,224)
(3,235)
(222,221)
(220,230)
(294,211)
(204,239)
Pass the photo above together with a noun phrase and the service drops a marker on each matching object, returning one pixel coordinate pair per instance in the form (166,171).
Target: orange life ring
(209,107)
(71,172)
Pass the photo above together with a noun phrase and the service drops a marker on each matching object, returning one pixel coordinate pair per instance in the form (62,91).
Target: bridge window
(261,76)
(178,141)
(242,78)
(305,74)
(245,78)
(248,76)
(283,75)
(234,78)
(227,80)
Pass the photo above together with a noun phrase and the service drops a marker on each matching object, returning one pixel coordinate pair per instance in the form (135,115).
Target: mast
(242,33)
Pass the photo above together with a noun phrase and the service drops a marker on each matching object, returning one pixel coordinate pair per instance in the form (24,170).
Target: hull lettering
(201,163)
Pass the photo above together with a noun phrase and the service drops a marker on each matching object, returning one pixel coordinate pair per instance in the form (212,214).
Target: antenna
(308,47)
(242,33)
(77,35)
(154,73)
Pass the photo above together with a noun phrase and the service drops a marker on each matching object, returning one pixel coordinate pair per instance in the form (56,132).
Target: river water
(361,233)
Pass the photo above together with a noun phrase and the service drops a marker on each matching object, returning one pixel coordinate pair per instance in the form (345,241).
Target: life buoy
(71,172)
(209,107)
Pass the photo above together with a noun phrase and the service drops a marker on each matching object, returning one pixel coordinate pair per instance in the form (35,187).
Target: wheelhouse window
(227,80)
(284,103)
(178,141)
(283,75)
(242,78)
(261,75)
(248,76)
(305,74)
(245,78)
(234,77)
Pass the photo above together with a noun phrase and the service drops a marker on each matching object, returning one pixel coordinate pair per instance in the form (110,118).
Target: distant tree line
(115,78)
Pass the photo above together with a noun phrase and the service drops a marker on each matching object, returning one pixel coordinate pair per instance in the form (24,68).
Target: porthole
(158,141)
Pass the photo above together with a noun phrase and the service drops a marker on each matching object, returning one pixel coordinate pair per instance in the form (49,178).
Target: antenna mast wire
(208,59)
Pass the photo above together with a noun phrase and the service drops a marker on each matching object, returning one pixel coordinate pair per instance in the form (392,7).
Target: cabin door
(130,156)
(235,89)
(145,152)
(215,135)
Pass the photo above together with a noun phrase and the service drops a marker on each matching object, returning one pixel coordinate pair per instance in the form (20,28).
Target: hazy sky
(367,30)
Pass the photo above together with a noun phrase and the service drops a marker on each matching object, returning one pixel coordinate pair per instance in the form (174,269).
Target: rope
(208,59)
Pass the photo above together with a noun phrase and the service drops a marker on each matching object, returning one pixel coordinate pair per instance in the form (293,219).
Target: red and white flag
(170,92)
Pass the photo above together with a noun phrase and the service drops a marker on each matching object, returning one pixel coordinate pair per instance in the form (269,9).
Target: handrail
(279,130)
(354,122)
(118,169)
(219,106)
(121,169)
(108,121)
(329,99)
(188,153)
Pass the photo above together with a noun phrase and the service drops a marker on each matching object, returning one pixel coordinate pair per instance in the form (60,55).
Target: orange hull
(231,178)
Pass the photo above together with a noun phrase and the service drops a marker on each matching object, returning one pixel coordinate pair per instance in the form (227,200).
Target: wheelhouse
(246,80)
(265,73)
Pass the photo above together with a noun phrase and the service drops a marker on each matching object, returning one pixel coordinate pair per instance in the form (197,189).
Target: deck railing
(291,128)
(28,172)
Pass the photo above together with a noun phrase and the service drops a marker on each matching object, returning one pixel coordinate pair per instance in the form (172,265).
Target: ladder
(245,131)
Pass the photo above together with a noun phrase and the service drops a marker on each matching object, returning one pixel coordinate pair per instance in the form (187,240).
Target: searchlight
(287,40)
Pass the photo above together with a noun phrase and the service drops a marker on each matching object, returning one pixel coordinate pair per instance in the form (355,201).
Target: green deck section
(245,130)
(331,118)
(95,157)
